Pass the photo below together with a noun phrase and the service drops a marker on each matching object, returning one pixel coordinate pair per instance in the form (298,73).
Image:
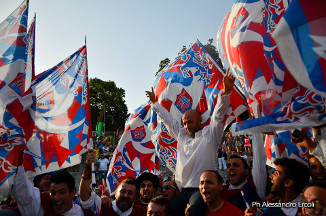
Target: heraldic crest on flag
(191,81)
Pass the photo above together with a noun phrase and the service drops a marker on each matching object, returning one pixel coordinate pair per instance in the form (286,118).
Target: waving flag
(246,45)
(191,81)
(275,99)
(302,43)
(30,52)
(12,64)
(61,116)
(283,147)
(135,152)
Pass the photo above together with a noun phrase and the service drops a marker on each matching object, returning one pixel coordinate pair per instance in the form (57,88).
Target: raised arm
(228,83)
(172,125)
(86,180)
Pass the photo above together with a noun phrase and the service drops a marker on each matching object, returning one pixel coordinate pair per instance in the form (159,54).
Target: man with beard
(147,184)
(210,187)
(125,195)
(197,147)
(288,179)
(240,178)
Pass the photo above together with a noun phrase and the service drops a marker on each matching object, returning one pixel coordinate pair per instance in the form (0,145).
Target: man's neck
(289,196)
(212,207)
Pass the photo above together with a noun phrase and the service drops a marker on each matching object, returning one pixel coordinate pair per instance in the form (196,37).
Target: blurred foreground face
(155,209)
(317,171)
(61,197)
(209,187)
(125,196)
(318,196)
(44,184)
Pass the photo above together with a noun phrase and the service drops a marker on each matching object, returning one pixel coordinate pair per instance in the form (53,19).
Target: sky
(126,40)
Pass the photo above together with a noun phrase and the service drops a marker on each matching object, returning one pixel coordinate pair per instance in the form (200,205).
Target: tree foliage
(106,97)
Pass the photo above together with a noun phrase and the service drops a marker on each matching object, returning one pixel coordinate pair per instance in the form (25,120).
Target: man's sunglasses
(167,187)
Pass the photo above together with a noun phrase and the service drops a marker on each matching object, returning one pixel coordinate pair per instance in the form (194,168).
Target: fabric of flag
(307,109)
(283,147)
(30,52)
(12,65)
(301,38)
(60,113)
(135,152)
(275,98)
(192,81)
(246,45)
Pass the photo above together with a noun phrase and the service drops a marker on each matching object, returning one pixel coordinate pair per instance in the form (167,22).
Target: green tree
(162,64)
(213,51)
(107,94)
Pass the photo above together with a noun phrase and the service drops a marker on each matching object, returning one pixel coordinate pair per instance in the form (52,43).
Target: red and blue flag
(60,113)
(301,38)
(12,65)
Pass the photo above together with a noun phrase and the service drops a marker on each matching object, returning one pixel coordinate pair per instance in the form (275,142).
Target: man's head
(289,175)
(169,190)
(62,191)
(317,171)
(238,170)
(42,181)
(159,206)
(316,194)
(210,186)
(102,156)
(126,194)
(147,184)
(191,121)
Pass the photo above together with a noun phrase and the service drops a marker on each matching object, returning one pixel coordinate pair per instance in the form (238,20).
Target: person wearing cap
(42,181)
(147,185)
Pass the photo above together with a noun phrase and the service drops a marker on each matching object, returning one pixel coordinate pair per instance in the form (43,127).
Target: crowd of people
(196,188)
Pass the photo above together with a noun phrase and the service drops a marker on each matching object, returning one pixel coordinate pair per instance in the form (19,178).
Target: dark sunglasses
(167,187)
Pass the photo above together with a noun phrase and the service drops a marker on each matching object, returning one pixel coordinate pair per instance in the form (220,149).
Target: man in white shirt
(103,164)
(197,148)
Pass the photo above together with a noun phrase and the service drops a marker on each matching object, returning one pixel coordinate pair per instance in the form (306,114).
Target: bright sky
(126,40)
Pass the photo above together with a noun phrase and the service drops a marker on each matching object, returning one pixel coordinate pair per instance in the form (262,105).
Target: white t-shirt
(103,164)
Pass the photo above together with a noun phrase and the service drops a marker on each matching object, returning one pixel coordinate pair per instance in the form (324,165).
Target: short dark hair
(62,176)
(146,176)
(218,176)
(130,181)
(296,171)
(162,201)
(244,162)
